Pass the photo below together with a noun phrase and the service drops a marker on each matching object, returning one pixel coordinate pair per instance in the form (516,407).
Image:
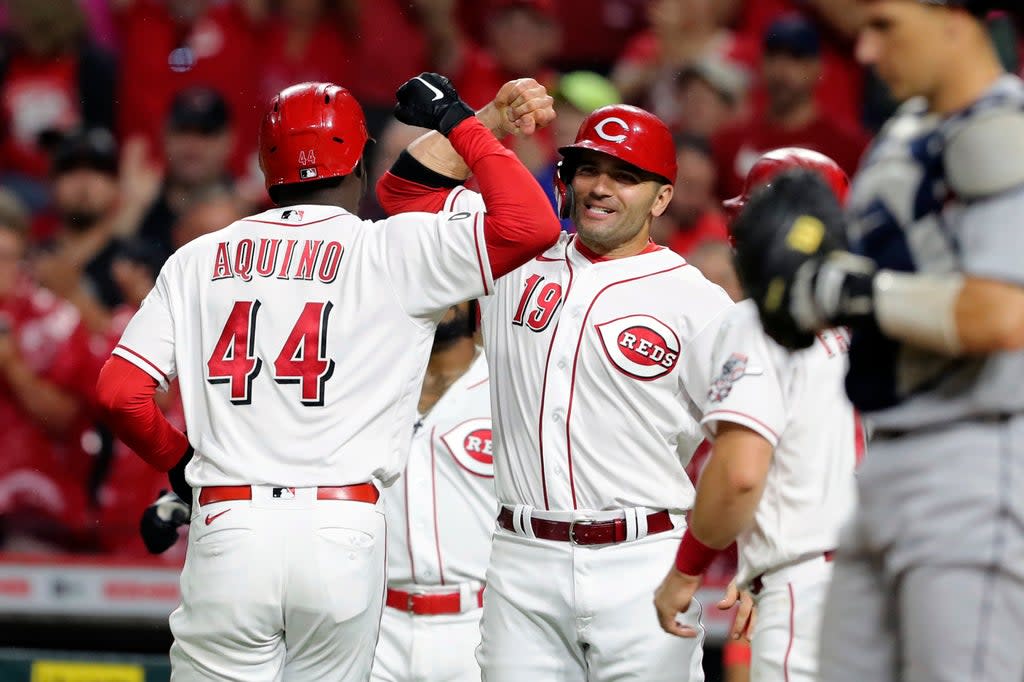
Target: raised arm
(519,223)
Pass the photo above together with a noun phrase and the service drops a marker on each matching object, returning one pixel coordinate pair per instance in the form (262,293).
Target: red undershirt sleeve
(519,224)
(125,395)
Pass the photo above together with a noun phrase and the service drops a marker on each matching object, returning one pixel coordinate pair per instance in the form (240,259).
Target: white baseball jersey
(797,401)
(300,337)
(441,512)
(591,390)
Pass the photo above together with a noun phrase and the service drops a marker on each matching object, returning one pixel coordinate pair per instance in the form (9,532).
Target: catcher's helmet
(629,134)
(311,132)
(776,161)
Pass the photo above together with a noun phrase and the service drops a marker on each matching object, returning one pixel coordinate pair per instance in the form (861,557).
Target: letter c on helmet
(599,129)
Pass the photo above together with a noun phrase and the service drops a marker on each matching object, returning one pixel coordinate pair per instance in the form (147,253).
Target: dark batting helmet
(776,161)
(311,132)
(629,134)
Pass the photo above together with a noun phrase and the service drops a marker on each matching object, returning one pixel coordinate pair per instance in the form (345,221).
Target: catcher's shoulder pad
(984,153)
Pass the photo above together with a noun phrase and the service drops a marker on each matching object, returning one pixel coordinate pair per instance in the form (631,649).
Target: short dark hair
(300,192)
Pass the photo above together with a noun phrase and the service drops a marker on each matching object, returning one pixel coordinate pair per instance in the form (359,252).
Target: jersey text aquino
(303,259)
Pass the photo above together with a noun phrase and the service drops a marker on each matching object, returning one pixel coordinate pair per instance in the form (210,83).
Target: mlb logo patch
(292,215)
(307,173)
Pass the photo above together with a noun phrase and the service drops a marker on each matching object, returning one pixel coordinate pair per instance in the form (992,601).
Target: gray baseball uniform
(929,582)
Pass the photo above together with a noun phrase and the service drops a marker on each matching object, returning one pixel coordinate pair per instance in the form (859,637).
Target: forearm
(125,394)
(989,316)
(950,314)
(53,408)
(436,153)
(520,223)
(728,494)
(726,500)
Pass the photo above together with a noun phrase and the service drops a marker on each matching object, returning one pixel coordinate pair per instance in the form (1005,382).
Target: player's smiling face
(614,204)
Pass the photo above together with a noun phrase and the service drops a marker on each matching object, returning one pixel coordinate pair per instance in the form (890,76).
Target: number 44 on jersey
(302,359)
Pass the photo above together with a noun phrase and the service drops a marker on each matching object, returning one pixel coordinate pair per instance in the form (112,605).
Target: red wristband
(694,557)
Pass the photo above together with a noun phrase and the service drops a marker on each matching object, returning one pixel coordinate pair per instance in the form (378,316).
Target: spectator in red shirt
(47,377)
(53,80)
(692,216)
(790,72)
(170,45)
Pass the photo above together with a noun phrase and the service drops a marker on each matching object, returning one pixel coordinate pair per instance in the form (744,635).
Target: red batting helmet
(778,160)
(629,134)
(312,131)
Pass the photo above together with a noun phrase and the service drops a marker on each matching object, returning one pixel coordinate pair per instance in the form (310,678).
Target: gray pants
(929,578)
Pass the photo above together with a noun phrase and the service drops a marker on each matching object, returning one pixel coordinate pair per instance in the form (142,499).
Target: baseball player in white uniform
(593,348)
(782,499)
(440,519)
(300,337)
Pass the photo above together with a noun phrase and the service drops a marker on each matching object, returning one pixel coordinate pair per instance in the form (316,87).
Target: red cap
(312,131)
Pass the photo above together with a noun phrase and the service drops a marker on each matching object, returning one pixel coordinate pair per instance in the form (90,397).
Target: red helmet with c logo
(311,132)
(625,132)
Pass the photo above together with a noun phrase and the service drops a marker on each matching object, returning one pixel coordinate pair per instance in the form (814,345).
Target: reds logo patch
(732,371)
(470,444)
(640,346)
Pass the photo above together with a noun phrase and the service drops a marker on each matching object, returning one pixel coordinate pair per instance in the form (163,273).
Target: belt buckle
(409,599)
(572,528)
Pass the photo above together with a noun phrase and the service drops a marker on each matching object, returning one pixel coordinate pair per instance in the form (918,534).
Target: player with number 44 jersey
(300,337)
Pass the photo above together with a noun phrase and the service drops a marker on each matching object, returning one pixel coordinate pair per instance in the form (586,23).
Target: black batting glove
(430,101)
(160,522)
(791,257)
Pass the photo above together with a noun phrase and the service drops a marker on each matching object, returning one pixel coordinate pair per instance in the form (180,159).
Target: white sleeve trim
(711,419)
(142,363)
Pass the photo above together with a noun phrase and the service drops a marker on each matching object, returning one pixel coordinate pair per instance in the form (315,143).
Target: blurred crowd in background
(128,128)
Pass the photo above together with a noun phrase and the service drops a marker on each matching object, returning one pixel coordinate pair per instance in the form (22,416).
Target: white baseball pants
(427,648)
(787,635)
(285,588)
(558,612)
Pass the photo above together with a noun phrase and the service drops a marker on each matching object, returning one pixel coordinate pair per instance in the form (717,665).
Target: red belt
(422,604)
(586,532)
(757,584)
(360,492)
